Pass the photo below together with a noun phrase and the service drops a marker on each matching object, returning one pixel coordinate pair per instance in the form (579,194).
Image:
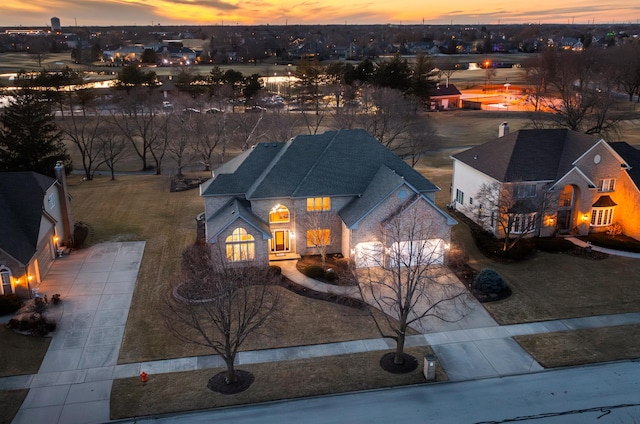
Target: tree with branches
(507,208)
(219,306)
(404,278)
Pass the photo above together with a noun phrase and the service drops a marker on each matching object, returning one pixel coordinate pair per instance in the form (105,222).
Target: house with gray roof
(336,189)
(559,181)
(36,225)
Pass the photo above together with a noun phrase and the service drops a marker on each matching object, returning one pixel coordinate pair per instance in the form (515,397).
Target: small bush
(489,281)
(9,304)
(554,245)
(314,271)
(34,324)
(80,233)
(275,270)
(55,299)
(331,275)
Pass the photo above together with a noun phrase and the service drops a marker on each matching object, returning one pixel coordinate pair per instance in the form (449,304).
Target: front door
(280,241)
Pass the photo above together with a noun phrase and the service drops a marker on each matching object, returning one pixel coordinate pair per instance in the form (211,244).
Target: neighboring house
(561,181)
(281,200)
(445,97)
(35,227)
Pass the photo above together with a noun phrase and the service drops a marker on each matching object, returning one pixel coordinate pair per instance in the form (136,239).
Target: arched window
(5,279)
(240,246)
(279,213)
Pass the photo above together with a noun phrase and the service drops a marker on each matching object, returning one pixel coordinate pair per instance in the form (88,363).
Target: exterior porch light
(292,234)
(585,217)
(55,241)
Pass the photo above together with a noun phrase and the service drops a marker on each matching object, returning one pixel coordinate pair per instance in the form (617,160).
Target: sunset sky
(279,12)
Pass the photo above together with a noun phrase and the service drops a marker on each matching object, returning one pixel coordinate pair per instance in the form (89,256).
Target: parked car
(213,110)
(254,109)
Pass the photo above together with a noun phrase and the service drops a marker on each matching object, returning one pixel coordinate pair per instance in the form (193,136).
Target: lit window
(320,237)
(279,213)
(601,216)
(240,246)
(525,223)
(607,184)
(319,204)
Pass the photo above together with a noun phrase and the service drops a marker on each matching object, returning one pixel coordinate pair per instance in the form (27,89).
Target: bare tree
(318,223)
(405,279)
(113,148)
(86,135)
(219,306)
(140,123)
(509,210)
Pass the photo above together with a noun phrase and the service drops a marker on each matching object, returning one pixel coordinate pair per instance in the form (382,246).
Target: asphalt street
(603,393)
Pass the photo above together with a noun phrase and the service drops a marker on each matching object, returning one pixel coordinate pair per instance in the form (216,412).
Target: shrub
(489,281)
(80,233)
(331,275)
(314,271)
(9,303)
(554,245)
(275,270)
(35,324)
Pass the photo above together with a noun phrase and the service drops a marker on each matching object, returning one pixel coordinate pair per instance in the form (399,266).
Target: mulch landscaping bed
(336,262)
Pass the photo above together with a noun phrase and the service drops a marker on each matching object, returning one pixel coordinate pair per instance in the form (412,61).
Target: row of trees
(579,89)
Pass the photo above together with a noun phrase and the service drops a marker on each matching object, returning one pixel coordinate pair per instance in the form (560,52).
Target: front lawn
(21,354)
(273,381)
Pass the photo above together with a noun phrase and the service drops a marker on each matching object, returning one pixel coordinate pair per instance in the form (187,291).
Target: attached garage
(369,254)
(418,252)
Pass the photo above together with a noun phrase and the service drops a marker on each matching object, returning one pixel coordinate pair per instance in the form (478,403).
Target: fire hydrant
(143,377)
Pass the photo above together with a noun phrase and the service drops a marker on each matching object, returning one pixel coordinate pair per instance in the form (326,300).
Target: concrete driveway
(74,382)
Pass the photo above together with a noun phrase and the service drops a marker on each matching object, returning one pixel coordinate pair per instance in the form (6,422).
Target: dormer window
(607,184)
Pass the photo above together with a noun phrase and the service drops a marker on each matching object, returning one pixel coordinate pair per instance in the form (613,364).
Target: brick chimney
(503,129)
(65,206)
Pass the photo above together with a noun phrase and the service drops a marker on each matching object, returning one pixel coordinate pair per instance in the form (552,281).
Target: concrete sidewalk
(582,243)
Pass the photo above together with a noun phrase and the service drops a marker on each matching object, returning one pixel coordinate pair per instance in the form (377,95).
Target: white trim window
(607,184)
(240,246)
(5,280)
(601,217)
(524,223)
(460,196)
(316,204)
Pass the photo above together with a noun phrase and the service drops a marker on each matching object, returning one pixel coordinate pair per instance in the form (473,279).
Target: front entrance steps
(283,256)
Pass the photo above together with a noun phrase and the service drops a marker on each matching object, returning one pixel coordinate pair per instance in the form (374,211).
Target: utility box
(429,367)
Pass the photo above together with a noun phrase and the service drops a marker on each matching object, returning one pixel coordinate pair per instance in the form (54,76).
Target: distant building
(55,24)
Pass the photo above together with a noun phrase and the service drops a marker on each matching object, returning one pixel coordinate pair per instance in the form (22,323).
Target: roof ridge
(268,168)
(315,163)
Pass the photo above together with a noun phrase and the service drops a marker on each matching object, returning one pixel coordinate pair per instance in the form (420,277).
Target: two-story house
(35,227)
(560,181)
(336,189)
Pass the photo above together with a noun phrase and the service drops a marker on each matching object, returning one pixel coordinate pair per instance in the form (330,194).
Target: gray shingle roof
(444,90)
(528,155)
(21,199)
(383,183)
(631,155)
(335,163)
(235,209)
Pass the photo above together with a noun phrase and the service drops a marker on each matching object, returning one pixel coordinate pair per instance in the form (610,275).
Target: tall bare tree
(86,135)
(514,216)
(219,306)
(404,278)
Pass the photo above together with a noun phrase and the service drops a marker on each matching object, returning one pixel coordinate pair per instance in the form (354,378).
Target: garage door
(418,252)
